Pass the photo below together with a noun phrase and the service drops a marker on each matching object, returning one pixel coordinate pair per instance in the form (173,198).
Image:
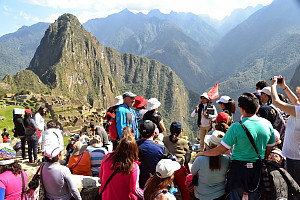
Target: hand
(282,83)
(196,109)
(273,80)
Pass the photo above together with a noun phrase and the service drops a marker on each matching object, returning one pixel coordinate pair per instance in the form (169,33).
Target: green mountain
(264,45)
(157,39)
(23,81)
(17,49)
(74,64)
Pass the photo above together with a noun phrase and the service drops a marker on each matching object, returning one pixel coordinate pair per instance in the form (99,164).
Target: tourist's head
(127,132)
(153,103)
(214,140)
(147,129)
(249,103)
(128,98)
(140,102)
(125,154)
(276,156)
(118,100)
(226,103)
(162,179)
(51,124)
(53,153)
(7,160)
(261,84)
(78,148)
(176,128)
(96,141)
(42,110)
(204,99)
(166,167)
(265,95)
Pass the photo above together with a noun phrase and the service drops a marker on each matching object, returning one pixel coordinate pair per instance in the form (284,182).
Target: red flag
(213,93)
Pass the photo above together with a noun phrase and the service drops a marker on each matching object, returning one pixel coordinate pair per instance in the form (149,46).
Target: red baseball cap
(28,111)
(222,117)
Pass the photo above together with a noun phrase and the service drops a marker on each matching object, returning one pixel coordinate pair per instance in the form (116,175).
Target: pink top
(121,187)
(12,184)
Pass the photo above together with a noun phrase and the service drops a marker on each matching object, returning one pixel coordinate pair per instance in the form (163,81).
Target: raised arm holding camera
(291,144)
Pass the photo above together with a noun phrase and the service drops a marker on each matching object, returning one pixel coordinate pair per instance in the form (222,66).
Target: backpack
(110,123)
(279,123)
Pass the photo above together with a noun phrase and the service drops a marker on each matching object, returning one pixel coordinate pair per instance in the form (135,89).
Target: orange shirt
(83,167)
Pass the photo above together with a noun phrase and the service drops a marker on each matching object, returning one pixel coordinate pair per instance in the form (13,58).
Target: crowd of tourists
(137,156)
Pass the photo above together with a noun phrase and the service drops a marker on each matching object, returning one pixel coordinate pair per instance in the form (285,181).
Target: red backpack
(110,123)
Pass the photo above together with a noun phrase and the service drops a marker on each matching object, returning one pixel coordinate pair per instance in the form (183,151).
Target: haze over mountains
(250,45)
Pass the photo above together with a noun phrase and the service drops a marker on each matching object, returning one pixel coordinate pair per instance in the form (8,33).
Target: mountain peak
(125,12)
(154,12)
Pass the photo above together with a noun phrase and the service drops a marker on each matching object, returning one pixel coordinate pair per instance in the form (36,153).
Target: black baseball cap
(147,128)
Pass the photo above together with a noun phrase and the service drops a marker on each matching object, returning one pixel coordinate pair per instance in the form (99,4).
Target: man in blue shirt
(126,116)
(150,153)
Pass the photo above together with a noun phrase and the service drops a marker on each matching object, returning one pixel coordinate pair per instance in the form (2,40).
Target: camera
(210,111)
(279,80)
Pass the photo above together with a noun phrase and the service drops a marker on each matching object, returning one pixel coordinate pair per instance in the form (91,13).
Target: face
(222,106)
(129,101)
(264,98)
(204,100)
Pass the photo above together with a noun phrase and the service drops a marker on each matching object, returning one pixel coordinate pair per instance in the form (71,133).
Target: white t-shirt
(291,144)
(52,136)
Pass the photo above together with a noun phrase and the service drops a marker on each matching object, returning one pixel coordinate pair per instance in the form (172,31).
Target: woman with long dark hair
(39,118)
(119,172)
(13,180)
(211,171)
(159,185)
(57,179)
(31,135)
(180,148)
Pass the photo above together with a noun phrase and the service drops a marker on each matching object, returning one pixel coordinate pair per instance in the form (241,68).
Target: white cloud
(51,18)
(28,17)
(5,8)
(101,8)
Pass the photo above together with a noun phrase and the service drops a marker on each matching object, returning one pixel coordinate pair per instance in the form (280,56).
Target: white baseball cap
(224,99)
(204,94)
(166,167)
(52,151)
(266,90)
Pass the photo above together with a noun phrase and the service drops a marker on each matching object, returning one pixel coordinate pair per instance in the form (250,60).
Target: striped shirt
(97,154)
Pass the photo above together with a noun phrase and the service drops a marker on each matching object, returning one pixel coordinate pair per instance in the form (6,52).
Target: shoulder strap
(250,138)
(56,136)
(77,162)
(23,186)
(159,192)
(108,180)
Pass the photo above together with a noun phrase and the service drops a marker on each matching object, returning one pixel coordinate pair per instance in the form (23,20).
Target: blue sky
(16,13)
